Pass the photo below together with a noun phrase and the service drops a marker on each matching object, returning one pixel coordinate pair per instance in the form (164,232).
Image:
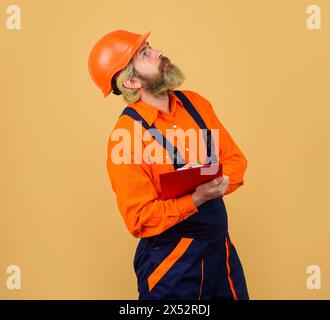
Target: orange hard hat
(111,54)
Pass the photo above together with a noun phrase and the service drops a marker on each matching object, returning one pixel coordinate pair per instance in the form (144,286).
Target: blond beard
(168,78)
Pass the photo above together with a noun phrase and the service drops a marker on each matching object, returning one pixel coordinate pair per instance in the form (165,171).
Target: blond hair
(129,95)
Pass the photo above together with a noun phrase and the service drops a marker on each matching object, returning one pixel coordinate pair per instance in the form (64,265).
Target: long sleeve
(232,158)
(144,214)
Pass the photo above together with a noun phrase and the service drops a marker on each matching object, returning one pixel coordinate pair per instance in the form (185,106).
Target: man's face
(155,71)
(147,61)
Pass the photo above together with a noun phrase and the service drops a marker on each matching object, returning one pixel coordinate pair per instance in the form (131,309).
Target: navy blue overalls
(195,259)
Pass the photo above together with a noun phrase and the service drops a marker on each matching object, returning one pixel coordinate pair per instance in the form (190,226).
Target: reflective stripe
(228,269)
(168,262)
(200,290)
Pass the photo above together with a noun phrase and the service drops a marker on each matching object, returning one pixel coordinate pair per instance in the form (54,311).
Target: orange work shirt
(137,185)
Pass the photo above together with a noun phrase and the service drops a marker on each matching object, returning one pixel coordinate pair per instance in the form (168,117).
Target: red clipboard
(177,183)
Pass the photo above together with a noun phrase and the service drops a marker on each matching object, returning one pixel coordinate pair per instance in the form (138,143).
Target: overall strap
(210,156)
(173,152)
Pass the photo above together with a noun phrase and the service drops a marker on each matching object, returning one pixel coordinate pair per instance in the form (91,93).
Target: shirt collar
(150,113)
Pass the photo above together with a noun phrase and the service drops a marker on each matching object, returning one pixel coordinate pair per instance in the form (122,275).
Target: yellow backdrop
(267,76)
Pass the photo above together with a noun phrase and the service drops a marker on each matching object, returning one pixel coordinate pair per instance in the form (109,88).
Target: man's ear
(134,83)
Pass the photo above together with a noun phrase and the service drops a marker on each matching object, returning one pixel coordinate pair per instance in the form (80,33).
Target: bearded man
(184,251)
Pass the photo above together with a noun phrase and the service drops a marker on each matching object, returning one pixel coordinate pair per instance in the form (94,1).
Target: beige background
(267,77)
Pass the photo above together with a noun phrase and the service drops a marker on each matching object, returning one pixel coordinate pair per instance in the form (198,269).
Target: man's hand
(210,190)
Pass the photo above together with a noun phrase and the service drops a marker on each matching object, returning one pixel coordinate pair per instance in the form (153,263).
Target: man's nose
(158,54)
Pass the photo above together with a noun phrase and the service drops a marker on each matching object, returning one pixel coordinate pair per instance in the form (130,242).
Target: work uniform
(184,252)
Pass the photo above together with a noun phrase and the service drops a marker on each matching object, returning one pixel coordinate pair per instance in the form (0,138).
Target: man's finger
(217,181)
